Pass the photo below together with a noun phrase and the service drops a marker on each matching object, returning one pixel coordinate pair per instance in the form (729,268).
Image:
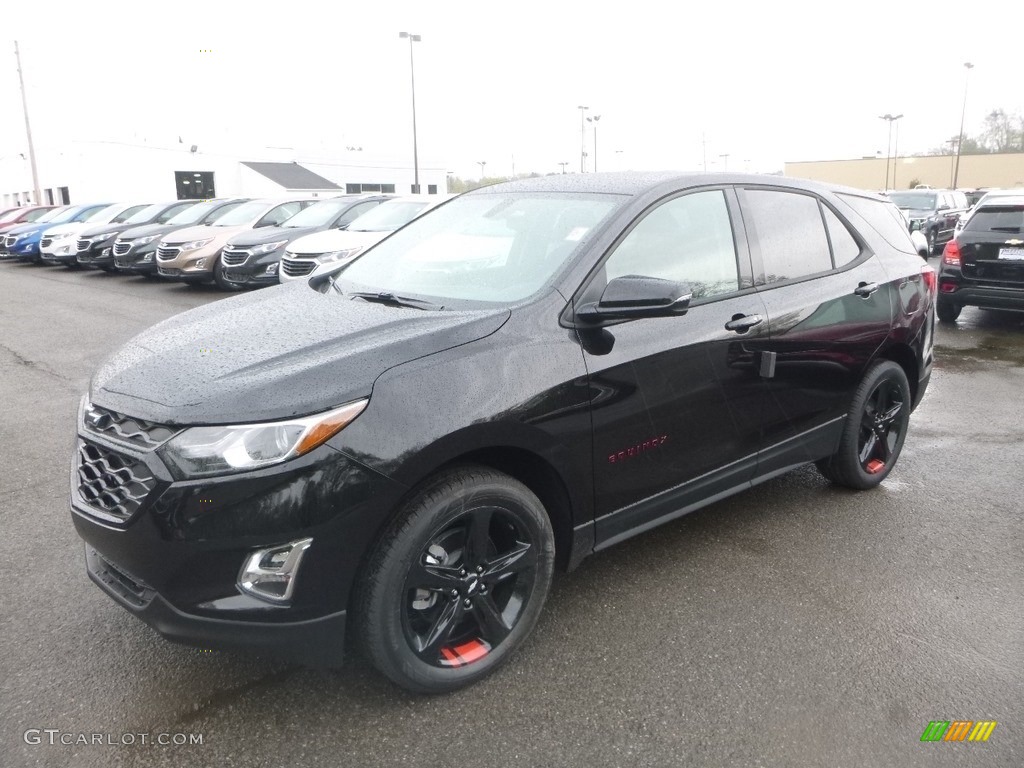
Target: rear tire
(457,581)
(947,311)
(875,429)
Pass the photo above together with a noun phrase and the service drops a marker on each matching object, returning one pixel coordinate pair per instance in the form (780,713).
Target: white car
(962,221)
(324,252)
(58,244)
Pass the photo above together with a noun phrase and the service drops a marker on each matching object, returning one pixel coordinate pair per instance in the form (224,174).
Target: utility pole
(704,142)
(28,130)
(960,140)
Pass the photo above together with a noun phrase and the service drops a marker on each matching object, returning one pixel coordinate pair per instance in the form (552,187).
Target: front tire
(875,429)
(456,583)
(222,282)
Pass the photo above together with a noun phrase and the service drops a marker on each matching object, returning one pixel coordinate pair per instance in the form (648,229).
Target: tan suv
(193,255)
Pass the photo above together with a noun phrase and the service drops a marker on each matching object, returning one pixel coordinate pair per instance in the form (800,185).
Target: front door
(676,401)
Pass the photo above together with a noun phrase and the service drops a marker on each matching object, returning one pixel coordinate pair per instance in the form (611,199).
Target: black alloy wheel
(875,429)
(458,581)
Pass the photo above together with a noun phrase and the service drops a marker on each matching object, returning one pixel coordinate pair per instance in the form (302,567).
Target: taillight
(930,278)
(951,254)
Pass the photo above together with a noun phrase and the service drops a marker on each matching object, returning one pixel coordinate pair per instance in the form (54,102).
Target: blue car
(22,243)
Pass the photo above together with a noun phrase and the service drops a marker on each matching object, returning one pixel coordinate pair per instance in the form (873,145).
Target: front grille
(83,245)
(111,483)
(9,241)
(233,257)
(45,242)
(117,580)
(122,247)
(117,426)
(167,253)
(297,267)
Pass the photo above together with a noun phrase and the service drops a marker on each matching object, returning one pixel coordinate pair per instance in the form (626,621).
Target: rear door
(829,310)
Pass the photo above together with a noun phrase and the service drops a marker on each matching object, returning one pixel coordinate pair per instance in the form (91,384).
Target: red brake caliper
(467,653)
(875,466)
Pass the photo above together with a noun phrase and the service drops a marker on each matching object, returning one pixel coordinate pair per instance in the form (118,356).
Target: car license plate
(1012,254)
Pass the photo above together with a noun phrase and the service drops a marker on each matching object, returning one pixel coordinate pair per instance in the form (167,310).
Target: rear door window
(789,232)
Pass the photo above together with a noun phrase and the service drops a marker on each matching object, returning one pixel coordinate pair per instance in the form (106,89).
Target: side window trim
(592,285)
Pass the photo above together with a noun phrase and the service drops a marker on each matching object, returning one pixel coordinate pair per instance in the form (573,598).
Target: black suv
(252,259)
(528,374)
(934,212)
(984,266)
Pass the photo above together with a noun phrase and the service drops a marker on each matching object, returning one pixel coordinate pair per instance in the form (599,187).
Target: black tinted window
(884,218)
(999,219)
(688,239)
(790,232)
(844,247)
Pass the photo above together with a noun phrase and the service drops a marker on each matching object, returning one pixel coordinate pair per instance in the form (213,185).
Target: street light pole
(725,162)
(594,120)
(481,163)
(28,130)
(896,153)
(563,166)
(888,149)
(412,73)
(963,112)
(583,138)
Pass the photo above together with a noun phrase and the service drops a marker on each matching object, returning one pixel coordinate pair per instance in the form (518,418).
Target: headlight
(204,451)
(146,240)
(195,244)
(259,250)
(328,258)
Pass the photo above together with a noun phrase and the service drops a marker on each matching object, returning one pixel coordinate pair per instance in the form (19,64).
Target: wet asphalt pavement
(792,625)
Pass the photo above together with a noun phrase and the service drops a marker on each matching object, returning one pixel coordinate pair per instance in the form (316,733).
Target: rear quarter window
(883,217)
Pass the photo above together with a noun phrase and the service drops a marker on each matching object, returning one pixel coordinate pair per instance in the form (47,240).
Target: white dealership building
(98,171)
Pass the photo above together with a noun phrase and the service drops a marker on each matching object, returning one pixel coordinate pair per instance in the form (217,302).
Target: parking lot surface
(792,625)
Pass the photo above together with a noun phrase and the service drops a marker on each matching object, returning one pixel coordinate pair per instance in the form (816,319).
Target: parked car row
(236,243)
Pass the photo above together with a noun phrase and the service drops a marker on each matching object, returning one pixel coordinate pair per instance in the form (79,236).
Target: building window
(431,189)
(65,196)
(194,185)
(387,189)
(415,189)
(49,196)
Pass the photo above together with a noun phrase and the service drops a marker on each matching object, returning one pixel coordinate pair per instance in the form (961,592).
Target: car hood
(270,235)
(145,230)
(103,229)
(61,230)
(201,232)
(335,240)
(282,352)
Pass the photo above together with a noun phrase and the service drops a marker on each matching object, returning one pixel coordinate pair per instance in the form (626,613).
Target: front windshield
(52,214)
(243,214)
(195,213)
(318,214)
(10,216)
(913,200)
(147,214)
(389,216)
(488,247)
(103,215)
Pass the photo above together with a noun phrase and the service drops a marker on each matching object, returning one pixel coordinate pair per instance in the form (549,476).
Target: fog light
(270,573)
(147,257)
(200,264)
(271,269)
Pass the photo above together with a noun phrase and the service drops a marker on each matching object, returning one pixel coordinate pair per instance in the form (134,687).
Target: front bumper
(98,255)
(254,271)
(194,265)
(143,261)
(174,560)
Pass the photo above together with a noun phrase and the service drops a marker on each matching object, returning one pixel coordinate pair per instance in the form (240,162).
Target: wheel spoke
(889,416)
(881,399)
(492,624)
(883,445)
(522,557)
(477,537)
(869,447)
(435,577)
(446,621)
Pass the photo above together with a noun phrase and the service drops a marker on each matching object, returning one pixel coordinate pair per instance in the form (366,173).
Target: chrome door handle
(865,289)
(743,323)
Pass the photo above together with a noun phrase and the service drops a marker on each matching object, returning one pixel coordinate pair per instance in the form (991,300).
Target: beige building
(934,170)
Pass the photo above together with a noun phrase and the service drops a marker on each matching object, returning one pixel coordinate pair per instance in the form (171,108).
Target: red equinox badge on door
(636,450)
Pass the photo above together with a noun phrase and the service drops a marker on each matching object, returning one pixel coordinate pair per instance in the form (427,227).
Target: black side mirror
(634,296)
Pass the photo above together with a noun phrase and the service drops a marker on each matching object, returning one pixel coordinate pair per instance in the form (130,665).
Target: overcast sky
(763,82)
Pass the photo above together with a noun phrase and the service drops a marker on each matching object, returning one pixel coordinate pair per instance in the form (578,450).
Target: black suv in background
(984,266)
(135,249)
(530,373)
(934,212)
(253,258)
(95,245)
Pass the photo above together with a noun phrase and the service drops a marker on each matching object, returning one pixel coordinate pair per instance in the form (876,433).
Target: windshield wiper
(383,297)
